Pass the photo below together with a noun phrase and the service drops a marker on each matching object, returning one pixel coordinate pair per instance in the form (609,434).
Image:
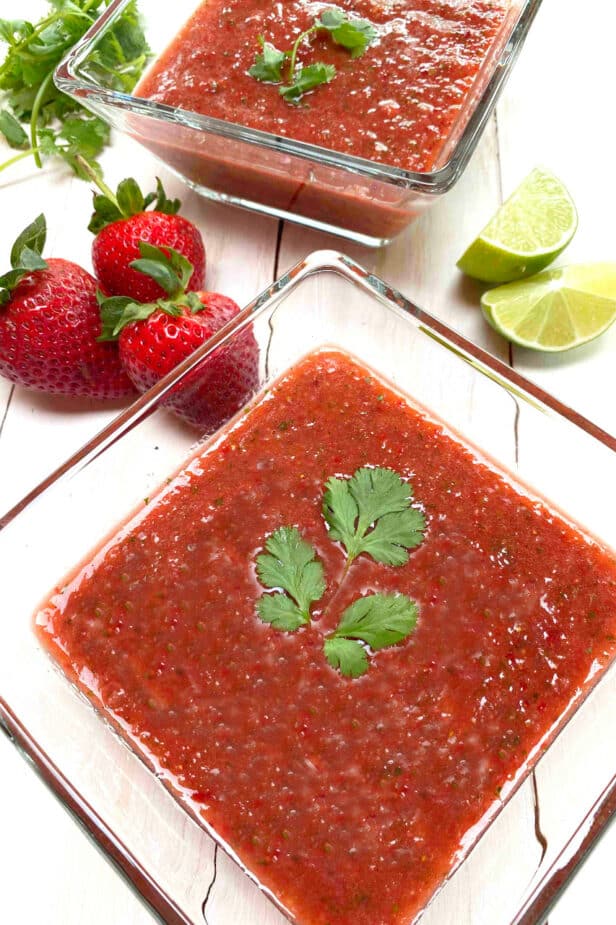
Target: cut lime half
(527,233)
(555,310)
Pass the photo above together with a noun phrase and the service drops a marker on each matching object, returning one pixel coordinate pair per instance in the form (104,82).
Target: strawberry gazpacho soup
(338,634)
(390,82)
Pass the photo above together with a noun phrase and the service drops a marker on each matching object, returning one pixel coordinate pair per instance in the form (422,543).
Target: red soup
(349,797)
(398,104)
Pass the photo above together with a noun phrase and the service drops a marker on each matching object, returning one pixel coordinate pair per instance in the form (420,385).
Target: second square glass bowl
(360,199)
(325,301)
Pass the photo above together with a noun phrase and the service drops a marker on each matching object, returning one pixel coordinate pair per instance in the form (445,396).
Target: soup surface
(395,104)
(348,797)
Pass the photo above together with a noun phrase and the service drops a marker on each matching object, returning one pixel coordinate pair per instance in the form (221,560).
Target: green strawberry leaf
(128,200)
(32,239)
(161,202)
(169,268)
(111,312)
(116,312)
(25,257)
(105,213)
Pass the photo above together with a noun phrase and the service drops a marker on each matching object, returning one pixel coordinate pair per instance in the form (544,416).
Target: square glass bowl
(326,300)
(360,199)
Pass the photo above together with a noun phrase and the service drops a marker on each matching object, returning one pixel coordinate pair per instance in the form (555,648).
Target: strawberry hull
(117,246)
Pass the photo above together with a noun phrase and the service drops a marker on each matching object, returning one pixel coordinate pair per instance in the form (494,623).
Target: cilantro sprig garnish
(370,514)
(36,119)
(307,78)
(275,66)
(379,620)
(291,564)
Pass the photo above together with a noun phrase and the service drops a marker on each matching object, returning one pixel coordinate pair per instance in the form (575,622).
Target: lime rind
(539,217)
(556,310)
(526,234)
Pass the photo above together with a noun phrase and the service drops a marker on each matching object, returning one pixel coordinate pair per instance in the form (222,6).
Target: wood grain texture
(554,113)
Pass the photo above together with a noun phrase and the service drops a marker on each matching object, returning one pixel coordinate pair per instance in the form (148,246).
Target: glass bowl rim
(69,80)
(324,261)
(316,262)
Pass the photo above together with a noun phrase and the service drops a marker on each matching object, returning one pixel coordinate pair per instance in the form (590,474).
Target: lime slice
(555,310)
(527,233)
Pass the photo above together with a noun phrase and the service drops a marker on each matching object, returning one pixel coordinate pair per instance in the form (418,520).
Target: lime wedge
(527,233)
(555,310)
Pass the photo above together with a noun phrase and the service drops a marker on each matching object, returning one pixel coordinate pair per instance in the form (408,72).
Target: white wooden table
(556,111)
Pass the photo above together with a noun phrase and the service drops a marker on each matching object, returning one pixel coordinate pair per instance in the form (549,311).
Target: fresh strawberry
(156,336)
(49,325)
(121,221)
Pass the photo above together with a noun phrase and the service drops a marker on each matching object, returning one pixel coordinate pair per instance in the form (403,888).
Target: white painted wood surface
(555,111)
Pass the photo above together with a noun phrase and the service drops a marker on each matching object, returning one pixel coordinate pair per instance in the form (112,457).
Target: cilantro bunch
(371,514)
(353,34)
(36,119)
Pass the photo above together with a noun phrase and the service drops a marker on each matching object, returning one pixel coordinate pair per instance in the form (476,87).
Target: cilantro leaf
(377,498)
(380,620)
(12,130)
(268,65)
(353,34)
(307,78)
(54,124)
(393,535)
(347,655)
(281,612)
(290,564)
